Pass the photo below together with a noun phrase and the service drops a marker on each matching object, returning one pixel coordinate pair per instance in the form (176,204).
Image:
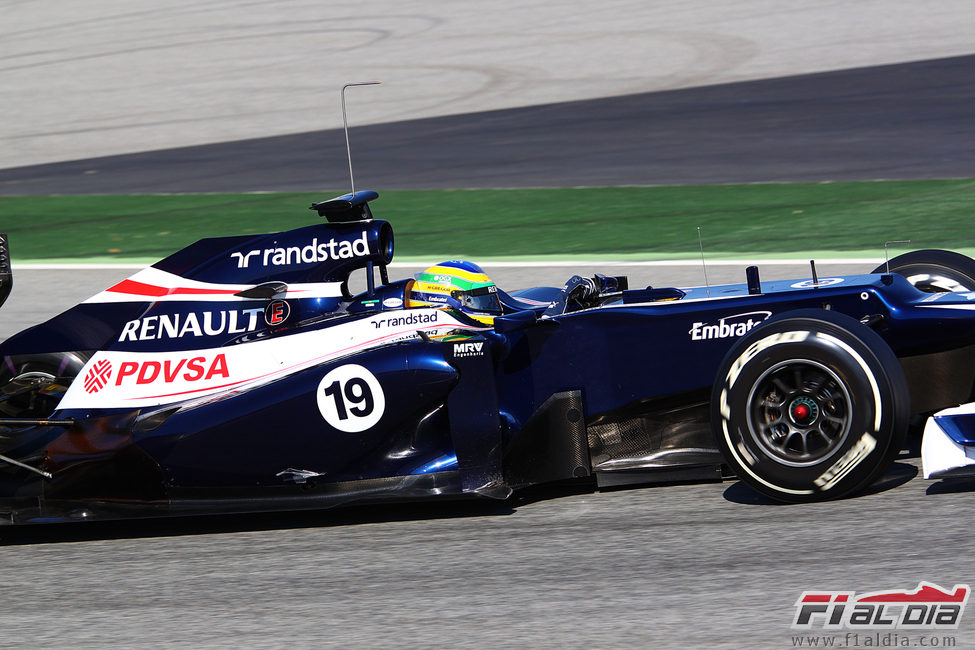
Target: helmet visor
(480,299)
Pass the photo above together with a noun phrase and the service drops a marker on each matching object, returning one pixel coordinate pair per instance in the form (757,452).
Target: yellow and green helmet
(459,284)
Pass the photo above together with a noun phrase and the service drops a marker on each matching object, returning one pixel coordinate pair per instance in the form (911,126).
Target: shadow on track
(352,515)
(897,475)
(952,486)
(250,522)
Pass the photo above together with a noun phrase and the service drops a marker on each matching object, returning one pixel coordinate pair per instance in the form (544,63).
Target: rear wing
(6,276)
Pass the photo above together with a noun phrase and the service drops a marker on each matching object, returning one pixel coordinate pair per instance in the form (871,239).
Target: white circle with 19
(351,398)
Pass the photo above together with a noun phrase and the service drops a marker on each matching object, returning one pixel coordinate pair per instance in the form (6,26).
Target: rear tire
(934,271)
(23,376)
(809,406)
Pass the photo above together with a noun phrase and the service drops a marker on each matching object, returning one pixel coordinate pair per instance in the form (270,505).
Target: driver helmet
(459,284)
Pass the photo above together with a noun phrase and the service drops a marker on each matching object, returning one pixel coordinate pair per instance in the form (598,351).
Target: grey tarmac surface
(903,121)
(98,78)
(683,566)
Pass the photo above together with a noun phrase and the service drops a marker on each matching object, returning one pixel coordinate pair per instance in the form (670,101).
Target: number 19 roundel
(351,399)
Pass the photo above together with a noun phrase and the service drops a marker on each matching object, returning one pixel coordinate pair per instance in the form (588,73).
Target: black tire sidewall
(950,264)
(870,442)
(64,364)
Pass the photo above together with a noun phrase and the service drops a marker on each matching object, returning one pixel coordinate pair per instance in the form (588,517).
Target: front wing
(948,445)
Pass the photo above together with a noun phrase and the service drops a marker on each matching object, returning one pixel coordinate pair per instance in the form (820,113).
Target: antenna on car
(345,124)
(707,285)
(887,255)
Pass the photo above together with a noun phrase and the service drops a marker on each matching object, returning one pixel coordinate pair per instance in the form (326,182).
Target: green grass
(777,220)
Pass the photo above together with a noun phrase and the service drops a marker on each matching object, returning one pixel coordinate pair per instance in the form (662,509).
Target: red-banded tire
(809,406)
(934,271)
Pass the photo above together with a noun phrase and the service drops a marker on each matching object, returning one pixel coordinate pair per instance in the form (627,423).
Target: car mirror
(519,320)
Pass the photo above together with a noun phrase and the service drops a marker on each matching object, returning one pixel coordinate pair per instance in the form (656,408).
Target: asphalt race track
(911,120)
(702,566)
(98,79)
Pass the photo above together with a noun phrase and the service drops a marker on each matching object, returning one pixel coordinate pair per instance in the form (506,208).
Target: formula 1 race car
(241,374)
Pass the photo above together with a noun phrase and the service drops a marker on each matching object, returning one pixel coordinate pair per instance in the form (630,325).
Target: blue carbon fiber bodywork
(960,428)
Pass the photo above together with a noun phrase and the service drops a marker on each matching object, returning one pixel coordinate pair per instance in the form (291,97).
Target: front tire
(934,271)
(810,406)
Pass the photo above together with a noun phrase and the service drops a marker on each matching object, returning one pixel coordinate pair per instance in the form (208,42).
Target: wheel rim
(799,412)
(936,281)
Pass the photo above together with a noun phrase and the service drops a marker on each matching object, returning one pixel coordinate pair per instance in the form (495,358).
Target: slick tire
(18,372)
(53,364)
(809,406)
(934,271)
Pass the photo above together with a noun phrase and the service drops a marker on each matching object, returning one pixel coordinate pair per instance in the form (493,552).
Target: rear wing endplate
(6,276)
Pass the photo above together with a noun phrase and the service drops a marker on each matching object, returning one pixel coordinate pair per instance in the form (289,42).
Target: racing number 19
(350,398)
(357,392)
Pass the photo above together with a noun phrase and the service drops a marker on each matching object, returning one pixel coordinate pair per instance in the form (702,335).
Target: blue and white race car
(242,374)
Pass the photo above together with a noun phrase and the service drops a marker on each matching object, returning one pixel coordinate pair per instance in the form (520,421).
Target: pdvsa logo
(172,370)
(472,349)
(728,327)
(98,376)
(928,607)
(313,252)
